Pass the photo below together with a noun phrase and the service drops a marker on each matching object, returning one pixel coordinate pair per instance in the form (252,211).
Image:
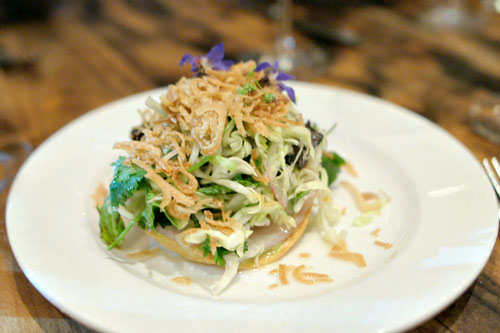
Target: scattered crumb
(323,280)
(375,232)
(184,280)
(344,209)
(273,286)
(273,272)
(315,275)
(370,196)
(308,278)
(282,274)
(340,251)
(350,169)
(305,255)
(384,245)
(298,275)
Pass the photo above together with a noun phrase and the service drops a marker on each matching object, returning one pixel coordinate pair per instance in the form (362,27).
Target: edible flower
(214,59)
(278,77)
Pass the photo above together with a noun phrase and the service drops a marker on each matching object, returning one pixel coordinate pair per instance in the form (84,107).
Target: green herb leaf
(147,220)
(177,223)
(152,217)
(246,89)
(161,218)
(215,189)
(245,180)
(219,256)
(110,222)
(299,196)
(124,232)
(205,246)
(126,180)
(269,98)
(245,247)
(200,163)
(229,125)
(195,220)
(332,166)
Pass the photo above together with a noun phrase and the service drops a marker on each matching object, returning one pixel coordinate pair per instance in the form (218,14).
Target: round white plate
(442,222)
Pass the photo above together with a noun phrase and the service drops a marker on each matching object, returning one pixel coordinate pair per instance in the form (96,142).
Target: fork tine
(491,174)
(496,165)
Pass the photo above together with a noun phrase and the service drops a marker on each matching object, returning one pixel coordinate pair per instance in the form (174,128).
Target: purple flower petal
(275,66)
(187,58)
(289,91)
(262,66)
(190,59)
(223,65)
(215,54)
(283,77)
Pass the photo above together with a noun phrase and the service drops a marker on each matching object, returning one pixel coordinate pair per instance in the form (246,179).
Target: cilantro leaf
(220,252)
(219,256)
(152,215)
(110,222)
(245,247)
(205,246)
(332,166)
(112,228)
(126,180)
(195,220)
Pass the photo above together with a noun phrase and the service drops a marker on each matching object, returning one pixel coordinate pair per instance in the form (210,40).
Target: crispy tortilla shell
(196,254)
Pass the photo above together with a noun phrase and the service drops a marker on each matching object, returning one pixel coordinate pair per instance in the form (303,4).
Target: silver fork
(493,175)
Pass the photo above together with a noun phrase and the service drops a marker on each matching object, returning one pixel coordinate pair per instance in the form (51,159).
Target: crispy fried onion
(366,201)
(188,185)
(225,227)
(178,211)
(340,251)
(208,126)
(168,191)
(309,277)
(134,146)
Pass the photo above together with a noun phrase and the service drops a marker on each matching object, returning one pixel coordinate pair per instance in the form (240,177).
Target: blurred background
(62,58)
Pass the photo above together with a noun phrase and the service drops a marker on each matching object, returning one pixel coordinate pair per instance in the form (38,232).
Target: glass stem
(285,42)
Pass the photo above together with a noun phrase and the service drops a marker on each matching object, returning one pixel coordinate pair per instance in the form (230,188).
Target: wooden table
(90,53)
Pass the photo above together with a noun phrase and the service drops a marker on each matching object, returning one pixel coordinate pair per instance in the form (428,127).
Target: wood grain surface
(93,52)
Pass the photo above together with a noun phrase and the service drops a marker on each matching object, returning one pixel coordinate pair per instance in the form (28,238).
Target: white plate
(442,221)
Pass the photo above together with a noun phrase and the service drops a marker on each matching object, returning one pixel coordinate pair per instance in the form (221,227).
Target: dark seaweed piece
(136,134)
(316,137)
(200,71)
(264,82)
(301,160)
